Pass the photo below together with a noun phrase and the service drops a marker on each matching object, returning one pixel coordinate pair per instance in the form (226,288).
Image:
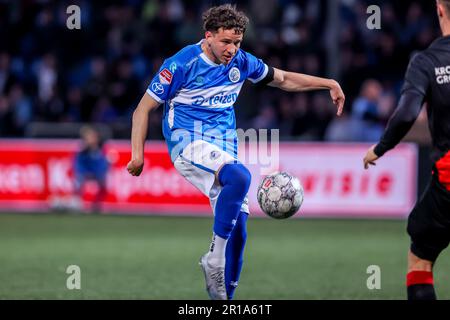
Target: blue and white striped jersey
(199,95)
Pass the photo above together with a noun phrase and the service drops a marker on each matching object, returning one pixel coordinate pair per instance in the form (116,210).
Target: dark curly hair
(225,16)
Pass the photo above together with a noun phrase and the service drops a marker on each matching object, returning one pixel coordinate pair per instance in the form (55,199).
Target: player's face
(223,44)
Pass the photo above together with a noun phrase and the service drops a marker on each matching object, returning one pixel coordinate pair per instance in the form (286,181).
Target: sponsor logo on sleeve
(157,88)
(165,76)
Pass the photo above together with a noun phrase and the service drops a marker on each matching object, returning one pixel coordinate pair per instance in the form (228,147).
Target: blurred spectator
(366,112)
(74,104)
(22,109)
(47,78)
(124,88)
(91,164)
(95,87)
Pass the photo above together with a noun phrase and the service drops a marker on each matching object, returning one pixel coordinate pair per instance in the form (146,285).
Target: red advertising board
(38,174)
(336,184)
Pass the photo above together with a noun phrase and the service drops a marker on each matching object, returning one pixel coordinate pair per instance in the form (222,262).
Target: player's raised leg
(234,179)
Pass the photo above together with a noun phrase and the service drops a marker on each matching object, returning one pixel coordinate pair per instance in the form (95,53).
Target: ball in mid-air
(280,195)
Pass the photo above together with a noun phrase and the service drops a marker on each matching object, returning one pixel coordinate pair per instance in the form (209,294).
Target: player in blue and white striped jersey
(198,87)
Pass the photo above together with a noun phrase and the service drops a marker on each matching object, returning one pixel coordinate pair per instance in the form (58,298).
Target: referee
(427,80)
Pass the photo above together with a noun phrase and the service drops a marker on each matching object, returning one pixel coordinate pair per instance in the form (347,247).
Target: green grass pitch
(137,257)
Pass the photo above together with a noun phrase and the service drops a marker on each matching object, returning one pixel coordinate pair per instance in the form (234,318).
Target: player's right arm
(163,87)
(139,133)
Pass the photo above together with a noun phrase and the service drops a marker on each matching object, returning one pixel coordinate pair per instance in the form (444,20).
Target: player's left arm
(295,82)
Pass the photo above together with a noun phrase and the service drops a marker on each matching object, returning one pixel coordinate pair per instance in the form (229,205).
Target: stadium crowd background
(50,74)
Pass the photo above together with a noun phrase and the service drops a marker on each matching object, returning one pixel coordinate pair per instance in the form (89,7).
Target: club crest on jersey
(165,76)
(157,88)
(234,74)
(199,80)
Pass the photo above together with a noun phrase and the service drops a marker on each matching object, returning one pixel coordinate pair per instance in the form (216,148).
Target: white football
(280,195)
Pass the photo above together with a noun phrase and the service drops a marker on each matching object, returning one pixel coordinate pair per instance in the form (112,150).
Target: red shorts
(443,170)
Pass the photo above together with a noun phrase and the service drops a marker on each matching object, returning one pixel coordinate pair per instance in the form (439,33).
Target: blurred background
(57,84)
(50,74)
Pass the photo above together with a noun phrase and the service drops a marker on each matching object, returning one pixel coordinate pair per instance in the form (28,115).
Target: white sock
(217,249)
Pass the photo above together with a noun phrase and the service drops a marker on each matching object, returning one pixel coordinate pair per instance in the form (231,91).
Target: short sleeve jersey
(199,96)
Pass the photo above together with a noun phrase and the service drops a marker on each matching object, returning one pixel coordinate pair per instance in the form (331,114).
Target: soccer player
(427,80)
(198,87)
